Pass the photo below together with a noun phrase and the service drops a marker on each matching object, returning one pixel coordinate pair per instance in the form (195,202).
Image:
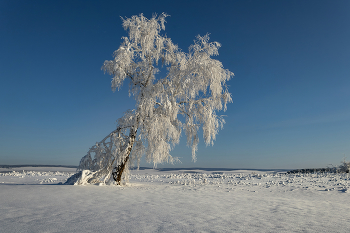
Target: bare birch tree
(194,87)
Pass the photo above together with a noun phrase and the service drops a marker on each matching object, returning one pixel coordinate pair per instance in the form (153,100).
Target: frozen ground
(175,201)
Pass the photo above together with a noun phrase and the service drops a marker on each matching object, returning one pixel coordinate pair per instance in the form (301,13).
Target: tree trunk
(117,175)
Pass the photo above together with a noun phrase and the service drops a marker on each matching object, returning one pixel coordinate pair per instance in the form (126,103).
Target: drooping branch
(193,87)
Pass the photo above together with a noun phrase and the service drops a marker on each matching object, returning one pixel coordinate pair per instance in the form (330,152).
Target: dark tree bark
(117,174)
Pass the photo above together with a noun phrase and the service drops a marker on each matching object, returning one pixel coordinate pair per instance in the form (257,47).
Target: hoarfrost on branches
(194,87)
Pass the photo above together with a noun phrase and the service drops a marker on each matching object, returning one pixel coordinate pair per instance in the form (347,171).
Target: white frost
(194,88)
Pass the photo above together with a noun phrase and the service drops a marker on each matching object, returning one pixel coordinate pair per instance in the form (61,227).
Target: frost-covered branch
(194,87)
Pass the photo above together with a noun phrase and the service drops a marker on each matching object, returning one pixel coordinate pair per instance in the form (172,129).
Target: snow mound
(83,177)
(73,179)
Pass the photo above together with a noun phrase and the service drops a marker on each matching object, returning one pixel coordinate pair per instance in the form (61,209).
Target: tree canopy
(186,98)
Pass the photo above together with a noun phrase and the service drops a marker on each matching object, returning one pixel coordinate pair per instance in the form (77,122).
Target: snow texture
(176,201)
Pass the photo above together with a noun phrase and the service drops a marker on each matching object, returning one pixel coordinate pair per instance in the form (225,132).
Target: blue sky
(291,95)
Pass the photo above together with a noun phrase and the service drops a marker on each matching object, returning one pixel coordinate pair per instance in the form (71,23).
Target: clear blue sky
(291,88)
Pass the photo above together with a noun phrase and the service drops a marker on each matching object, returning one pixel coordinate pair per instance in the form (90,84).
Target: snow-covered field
(175,201)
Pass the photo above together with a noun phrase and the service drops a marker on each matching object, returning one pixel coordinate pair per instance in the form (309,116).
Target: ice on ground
(176,201)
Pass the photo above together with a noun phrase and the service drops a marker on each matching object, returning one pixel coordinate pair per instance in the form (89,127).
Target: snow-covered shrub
(344,167)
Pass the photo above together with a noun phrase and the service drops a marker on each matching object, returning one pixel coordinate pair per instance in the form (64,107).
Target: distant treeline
(12,166)
(314,170)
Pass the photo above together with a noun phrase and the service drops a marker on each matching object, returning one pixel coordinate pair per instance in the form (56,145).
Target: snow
(183,200)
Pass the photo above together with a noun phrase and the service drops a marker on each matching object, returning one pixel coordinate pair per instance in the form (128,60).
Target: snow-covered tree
(185,98)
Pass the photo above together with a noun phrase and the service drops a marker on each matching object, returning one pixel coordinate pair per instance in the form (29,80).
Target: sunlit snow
(175,201)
